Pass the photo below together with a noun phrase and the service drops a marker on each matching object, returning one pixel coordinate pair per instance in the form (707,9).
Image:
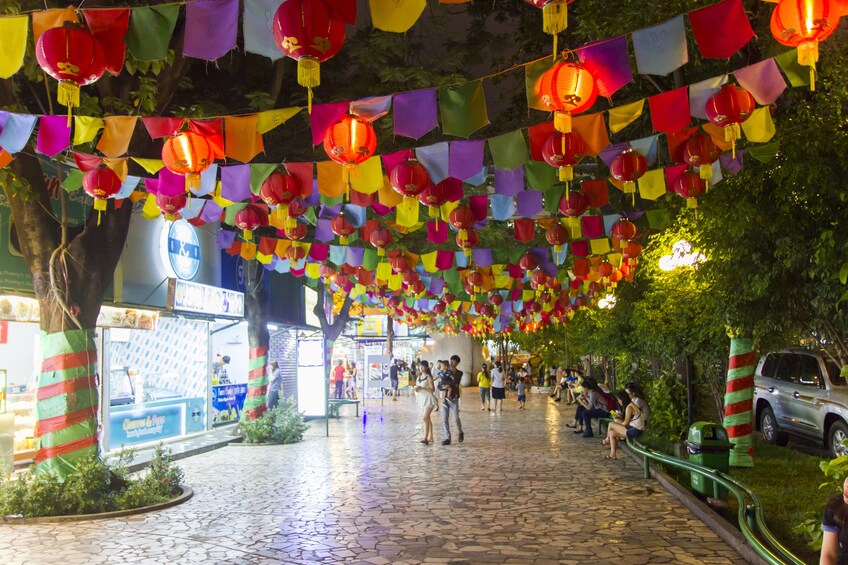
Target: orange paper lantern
(188,154)
(349,142)
(802,24)
(567,88)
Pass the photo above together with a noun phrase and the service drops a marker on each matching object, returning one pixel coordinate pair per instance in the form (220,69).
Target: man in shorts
(393,378)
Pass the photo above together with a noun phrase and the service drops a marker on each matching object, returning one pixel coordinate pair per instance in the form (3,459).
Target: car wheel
(838,434)
(769,428)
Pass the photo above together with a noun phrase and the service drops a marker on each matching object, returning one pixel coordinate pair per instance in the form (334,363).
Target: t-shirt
(338,373)
(393,373)
(483,380)
(520,388)
(831,524)
(497,378)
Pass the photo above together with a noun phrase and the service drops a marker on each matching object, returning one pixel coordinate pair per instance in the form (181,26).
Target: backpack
(609,400)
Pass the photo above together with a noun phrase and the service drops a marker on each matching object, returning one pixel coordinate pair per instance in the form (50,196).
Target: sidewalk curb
(730,535)
(135,467)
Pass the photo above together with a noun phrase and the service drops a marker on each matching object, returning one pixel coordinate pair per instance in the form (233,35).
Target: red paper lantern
(71,55)
(627,168)
(448,298)
(342,228)
(470,241)
(340,280)
(350,141)
(563,151)
(486,310)
(171,205)
(439,308)
(279,189)
(567,88)
(297,232)
(249,218)
(632,250)
(475,279)
(295,254)
(326,270)
(528,261)
(188,154)
(462,218)
(409,178)
(433,196)
(701,151)
(605,269)
(573,204)
(802,24)
(101,184)
(393,302)
(305,31)
(399,264)
(538,279)
(496,299)
(624,230)
(690,186)
(728,108)
(380,238)
(297,208)
(557,236)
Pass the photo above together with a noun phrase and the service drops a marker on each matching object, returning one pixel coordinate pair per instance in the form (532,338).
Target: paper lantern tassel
(706,171)
(309,76)
(68,94)
(381,252)
(808,56)
(731,134)
(100,206)
(192,182)
(691,202)
(562,122)
(247,235)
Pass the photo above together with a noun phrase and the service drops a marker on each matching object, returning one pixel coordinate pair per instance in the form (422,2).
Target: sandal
(611,457)
(604,442)
(571,425)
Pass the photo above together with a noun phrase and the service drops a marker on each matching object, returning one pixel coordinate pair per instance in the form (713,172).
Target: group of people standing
(442,388)
(493,388)
(344,380)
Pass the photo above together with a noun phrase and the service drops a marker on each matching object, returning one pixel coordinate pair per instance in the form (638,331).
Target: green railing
(750,516)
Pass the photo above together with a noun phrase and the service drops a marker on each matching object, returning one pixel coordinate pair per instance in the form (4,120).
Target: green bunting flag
(798,75)
(509,150)
(151,30)
(658,219)
(764,153)
(540,175)
(463,109)
(258,173)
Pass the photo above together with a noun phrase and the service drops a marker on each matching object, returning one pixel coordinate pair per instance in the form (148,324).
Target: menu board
(187,296)
(23,309)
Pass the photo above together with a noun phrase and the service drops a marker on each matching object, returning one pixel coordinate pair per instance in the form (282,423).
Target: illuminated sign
(185,296)
(23,309)
(179,248)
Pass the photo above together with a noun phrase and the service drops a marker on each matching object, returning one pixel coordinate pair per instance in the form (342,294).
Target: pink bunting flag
(54,135)
(670,110)
(763,80)
(109,28)
(444,260)
(391,160)
(480,206)
(161,127)
(721,29)
(592,226)
(325,115)
(437,232)
(673,173)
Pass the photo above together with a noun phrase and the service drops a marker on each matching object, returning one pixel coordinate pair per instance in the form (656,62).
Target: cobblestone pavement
(522,488)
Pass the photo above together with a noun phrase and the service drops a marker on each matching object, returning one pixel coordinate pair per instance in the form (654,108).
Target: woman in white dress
(424,390)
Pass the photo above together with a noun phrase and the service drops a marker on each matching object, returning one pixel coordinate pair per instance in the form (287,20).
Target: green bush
(95,486)
(283,424)
(666,396)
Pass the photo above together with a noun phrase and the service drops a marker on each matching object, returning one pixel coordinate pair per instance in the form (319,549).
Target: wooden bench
(336,403)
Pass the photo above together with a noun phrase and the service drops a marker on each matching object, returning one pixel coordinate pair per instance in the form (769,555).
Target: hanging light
(567,88)
(349,142)
(188,154)
(802,24)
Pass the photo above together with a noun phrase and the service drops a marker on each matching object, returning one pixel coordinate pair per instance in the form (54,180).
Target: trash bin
(708,445)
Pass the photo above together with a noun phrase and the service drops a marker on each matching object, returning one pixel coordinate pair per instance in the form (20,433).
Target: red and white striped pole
(739,401)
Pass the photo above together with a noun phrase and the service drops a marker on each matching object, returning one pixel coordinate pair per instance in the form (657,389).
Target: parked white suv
(799,392)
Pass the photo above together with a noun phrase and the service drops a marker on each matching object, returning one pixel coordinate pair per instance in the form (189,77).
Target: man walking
(450,386)
(393,378)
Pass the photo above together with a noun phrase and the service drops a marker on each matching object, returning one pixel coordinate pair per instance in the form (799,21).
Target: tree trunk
(331,330)
(390,335)
(739,401)
(70,278)
(258,339)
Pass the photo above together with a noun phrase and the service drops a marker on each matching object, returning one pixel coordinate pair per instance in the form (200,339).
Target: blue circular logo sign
(183,250)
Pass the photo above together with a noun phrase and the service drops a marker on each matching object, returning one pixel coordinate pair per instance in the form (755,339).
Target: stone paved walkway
(521,489)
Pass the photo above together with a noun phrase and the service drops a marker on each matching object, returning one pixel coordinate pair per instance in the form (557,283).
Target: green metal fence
(751,520)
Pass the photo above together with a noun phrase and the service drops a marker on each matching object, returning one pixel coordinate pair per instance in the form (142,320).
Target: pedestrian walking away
(484,383)
(522,396)
(498,387)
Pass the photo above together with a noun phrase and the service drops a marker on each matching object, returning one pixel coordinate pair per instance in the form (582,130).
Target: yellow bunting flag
(13,39)
(269,119)
(574,227)
(429,261)
(387,195)
(369,176)
(282,247)
(313,270)
(218,199)
(395,282)
(528,295)
(263,259)
(384,271)
(407,212)
(242,142)
(394,16)
(152,166)
(117,133)
(599,246)
(615,259)
(623,116)
(150,209)
(502,280)
(86,128)
(330,181)
(447,208)
(652,184)
(759,127)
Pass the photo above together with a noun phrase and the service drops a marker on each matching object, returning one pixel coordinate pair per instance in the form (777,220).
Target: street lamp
(607,302)
(682,255)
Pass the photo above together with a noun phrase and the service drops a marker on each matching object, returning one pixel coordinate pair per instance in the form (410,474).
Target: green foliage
(283,424)
(666,395)
(95,486)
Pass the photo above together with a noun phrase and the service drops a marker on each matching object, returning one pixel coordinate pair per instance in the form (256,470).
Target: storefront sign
(370,326)
(228,402)
(141,425)
(180,249)
(23,309)
(185,296)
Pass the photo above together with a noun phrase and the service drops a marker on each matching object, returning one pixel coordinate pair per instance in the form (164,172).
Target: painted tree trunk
(256,308)
(739,401)
(66,401)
